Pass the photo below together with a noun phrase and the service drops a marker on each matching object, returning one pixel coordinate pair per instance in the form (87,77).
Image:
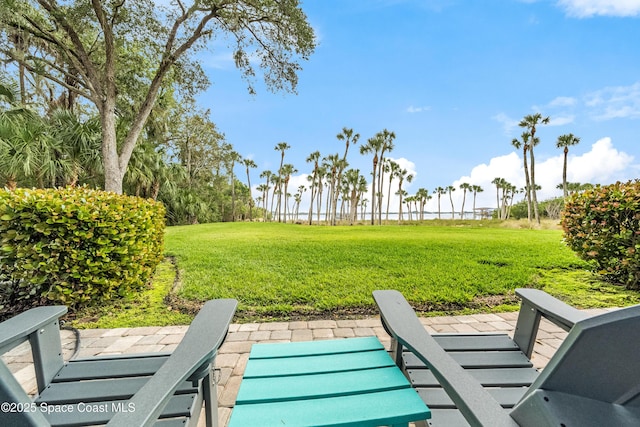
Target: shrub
(75,245)
(603,226)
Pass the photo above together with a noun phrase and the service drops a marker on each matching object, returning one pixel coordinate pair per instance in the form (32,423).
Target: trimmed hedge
(602,225)
(76,246)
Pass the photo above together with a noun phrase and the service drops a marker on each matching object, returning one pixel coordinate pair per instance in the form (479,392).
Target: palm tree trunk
(533,186)
(564,173)
(373,190)
(313,195)
(389,196)
(527,183)
(319,199)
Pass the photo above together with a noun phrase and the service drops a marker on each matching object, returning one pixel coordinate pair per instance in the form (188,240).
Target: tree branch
(87,68)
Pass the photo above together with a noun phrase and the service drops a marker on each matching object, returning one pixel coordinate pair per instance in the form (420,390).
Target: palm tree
(298,198)
(387,145)
(361,189)
(287,171)
(266,175)
(497,181)
(349,138)
(232,158)
(264,189)
(373,145)
(439,191)
(248,163)
(276,192)
(530,122)
(322,172)
(464,187)
(24,137)
(282,147)
(313,158)
(140,173)
(81,145)
(512,191)
(363,206)
(393,169)
(524,144)
(564,141)
(423,196)
(332,163)
(451,189)
(400,194)
(506,187)
(475,189)
(402,175)
(352,179)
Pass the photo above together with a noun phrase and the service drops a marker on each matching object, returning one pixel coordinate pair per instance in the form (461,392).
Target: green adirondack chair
(125,391)
(593,379)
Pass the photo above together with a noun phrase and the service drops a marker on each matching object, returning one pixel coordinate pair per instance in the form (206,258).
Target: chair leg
(210,390)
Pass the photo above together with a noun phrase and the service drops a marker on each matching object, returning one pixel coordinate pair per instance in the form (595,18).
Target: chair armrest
(198,347)
(41,327)
(477,406)
(537,304)
(17,330)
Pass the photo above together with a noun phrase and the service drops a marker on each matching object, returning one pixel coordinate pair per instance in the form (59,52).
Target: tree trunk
(564,173)
(313,195)
(113,175)
(527,188)
(319,202)
(353,207)
(389,196)
(533,186)
(373,189)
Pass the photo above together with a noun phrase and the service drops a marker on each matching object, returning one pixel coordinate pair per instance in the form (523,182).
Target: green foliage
(603,226)
(76,246)
(285,270)
(547,208)
(145,308)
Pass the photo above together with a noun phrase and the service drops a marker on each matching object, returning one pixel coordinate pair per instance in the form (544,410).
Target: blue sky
(451,78)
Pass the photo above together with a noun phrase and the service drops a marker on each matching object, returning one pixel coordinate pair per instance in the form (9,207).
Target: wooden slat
(477,359)
(261,390)
(310,348)
(447,418)
(508,377)
(101,412)
(109,368)
(317,364)
(437,398)
(462,342)
(396,406)
(98,390)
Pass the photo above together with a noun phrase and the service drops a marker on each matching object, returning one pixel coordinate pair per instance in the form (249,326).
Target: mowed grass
(283,269)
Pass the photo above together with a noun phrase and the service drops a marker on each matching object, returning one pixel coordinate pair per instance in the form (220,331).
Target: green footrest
(350,382)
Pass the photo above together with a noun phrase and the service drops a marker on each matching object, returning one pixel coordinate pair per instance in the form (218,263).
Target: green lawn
(286,270)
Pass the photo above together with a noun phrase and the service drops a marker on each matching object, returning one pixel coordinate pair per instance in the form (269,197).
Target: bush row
(603,226)
(75,246)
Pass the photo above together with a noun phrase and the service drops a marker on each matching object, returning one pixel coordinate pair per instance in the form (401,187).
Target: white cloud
(508,124)
(412,109)
(561,120)
(589,8)
(615,102)
(602,164)
(563,101)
